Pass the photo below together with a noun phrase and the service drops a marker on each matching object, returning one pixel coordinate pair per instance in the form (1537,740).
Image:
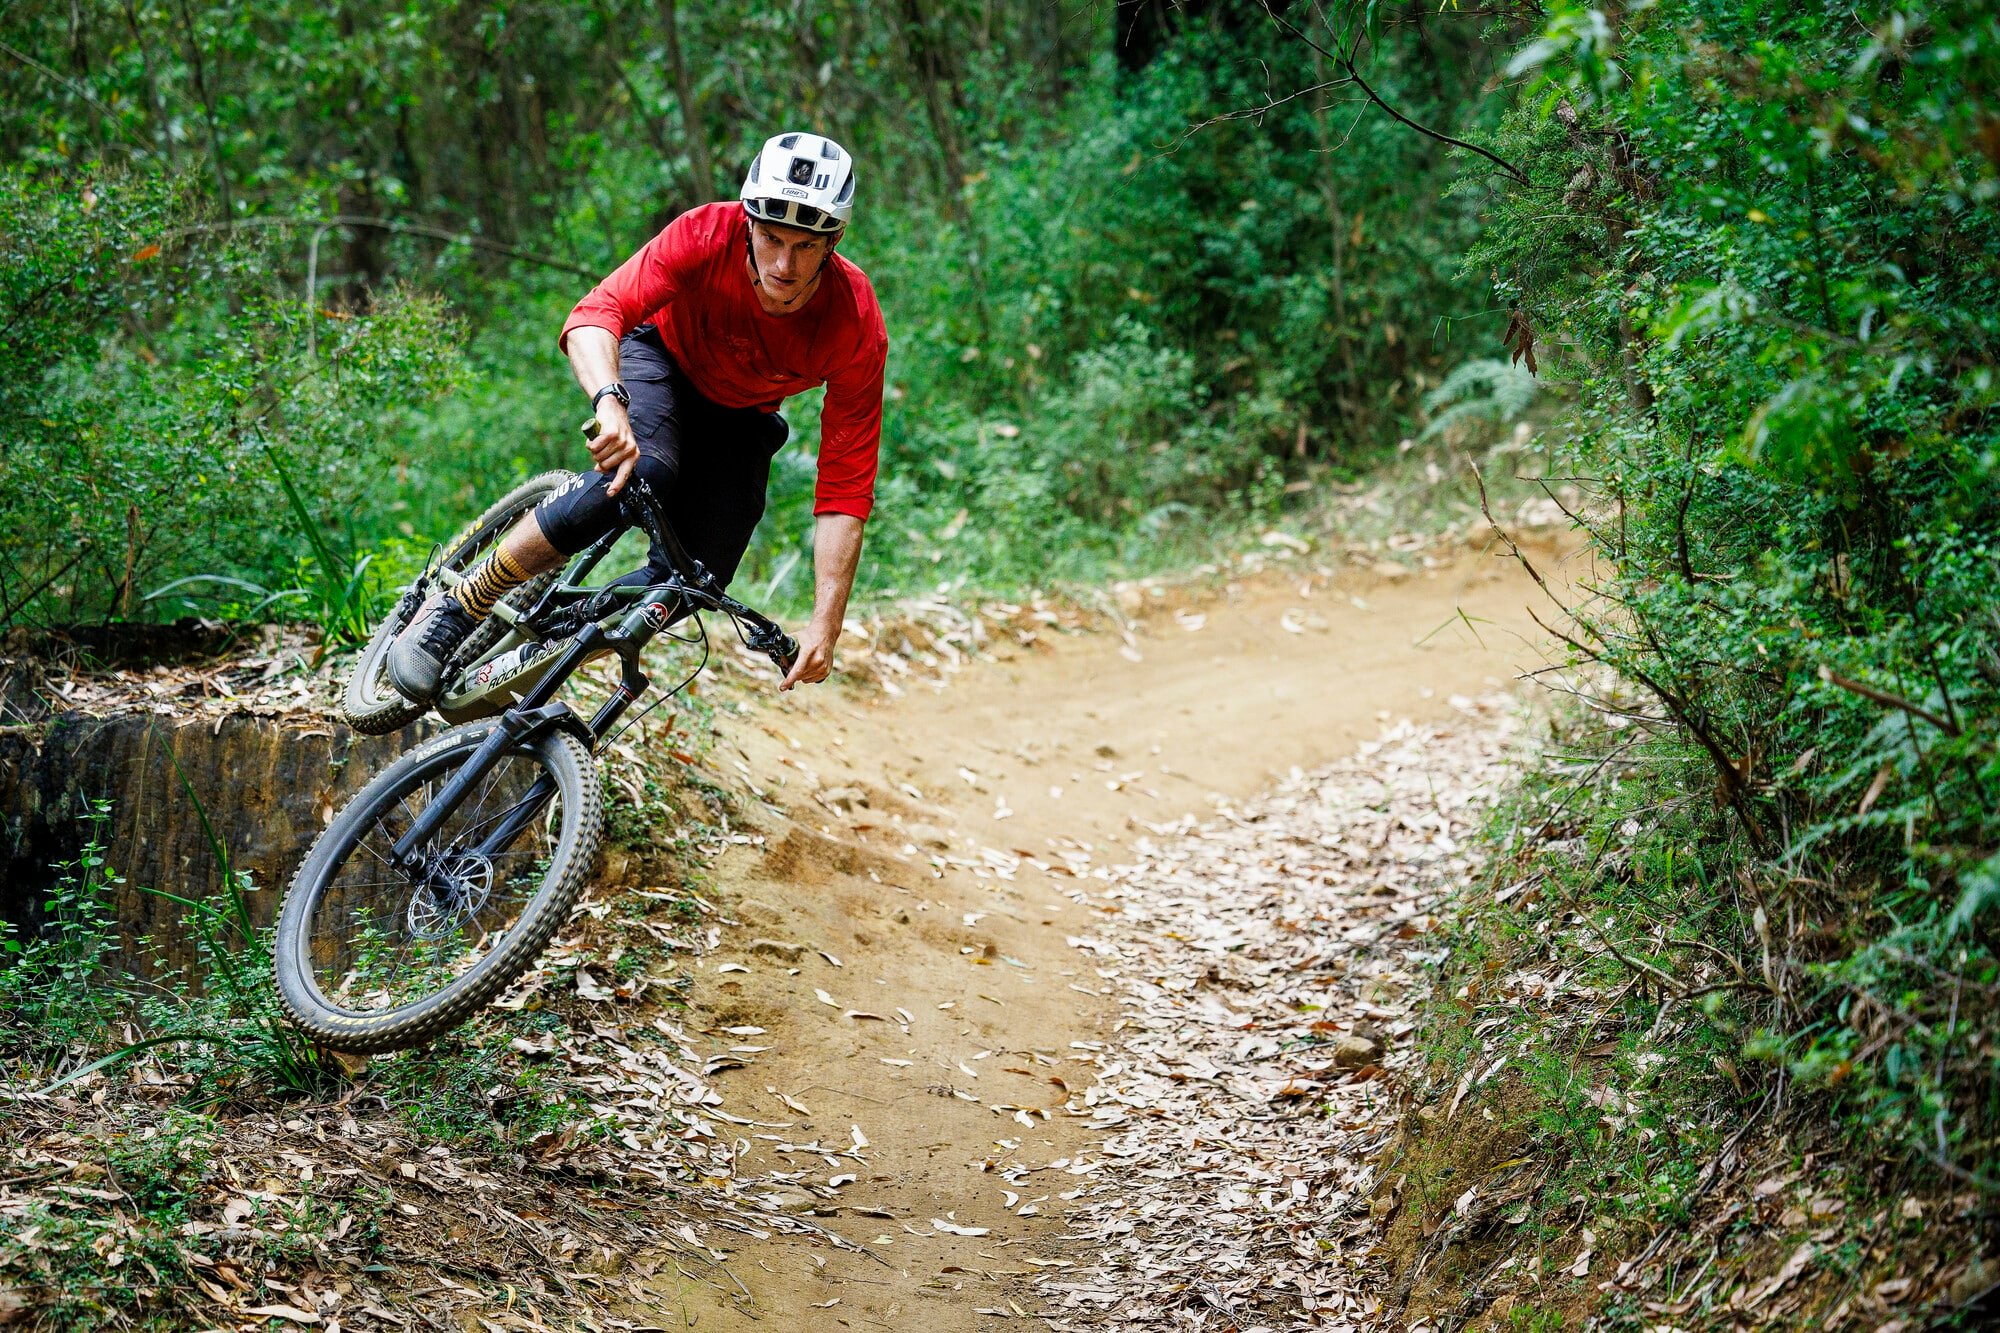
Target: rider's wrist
(615,391)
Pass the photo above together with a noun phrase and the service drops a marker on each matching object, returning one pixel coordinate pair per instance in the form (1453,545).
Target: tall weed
(247,1042)
(53,991)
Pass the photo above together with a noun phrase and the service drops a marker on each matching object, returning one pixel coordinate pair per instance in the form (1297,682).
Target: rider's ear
(834,240)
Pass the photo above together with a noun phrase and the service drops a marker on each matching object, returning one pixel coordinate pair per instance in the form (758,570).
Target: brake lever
(780,647)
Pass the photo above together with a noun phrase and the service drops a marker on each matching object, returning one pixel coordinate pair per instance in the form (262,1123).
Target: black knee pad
(582,511)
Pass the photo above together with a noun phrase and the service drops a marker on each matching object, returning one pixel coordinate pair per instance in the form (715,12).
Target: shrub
(150,373)
(1770,283)
(52,984)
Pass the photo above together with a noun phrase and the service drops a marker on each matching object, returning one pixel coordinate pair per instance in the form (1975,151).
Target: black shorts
(709,465)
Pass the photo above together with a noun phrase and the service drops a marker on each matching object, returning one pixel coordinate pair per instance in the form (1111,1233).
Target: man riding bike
(687,351)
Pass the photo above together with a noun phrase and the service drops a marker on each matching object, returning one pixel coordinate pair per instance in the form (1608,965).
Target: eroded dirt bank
(900,976)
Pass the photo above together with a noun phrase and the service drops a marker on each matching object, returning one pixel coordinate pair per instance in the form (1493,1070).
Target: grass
(470,1089)
(231,995)
(49,992)
(227,1097)
(348,598)
(131,1262)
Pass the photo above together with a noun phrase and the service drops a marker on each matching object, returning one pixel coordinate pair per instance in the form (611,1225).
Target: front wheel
(369,703)
(372,956)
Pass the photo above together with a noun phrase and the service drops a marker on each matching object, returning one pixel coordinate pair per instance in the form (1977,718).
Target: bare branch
(1252,113)
(73,86)
(1867,691)
(1343,57)
(393,225)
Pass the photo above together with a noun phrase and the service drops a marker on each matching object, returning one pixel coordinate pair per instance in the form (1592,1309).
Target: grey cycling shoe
(417,658)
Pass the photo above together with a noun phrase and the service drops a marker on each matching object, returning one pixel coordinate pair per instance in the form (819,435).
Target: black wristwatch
(616,390)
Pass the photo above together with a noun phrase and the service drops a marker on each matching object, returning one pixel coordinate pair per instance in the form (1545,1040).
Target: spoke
(383,939)
(414,815)
(525,851)
(403,949)
(487,788)
(361,845)
(346,887)
(499,817)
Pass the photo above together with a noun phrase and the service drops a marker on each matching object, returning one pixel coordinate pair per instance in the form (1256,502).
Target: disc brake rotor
(452,894)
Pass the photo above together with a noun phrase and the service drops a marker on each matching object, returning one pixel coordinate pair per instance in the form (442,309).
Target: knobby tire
(563,758)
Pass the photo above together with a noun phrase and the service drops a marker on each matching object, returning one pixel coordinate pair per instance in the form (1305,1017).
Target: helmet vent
(828,151)
(789,141)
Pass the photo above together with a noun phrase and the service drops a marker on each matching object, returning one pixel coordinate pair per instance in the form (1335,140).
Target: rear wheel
(369,703)
(371,956)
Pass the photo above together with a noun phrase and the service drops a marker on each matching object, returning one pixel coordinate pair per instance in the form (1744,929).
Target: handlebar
(764,637)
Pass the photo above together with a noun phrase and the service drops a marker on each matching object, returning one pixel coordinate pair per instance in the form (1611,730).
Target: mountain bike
(439,883)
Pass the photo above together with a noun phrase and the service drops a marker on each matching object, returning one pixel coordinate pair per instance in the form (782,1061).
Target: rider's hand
(614,450)
(815,662)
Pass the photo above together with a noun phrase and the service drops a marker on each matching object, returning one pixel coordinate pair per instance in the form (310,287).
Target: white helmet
(801,180)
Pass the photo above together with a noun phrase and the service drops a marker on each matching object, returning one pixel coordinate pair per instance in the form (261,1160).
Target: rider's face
(787,257)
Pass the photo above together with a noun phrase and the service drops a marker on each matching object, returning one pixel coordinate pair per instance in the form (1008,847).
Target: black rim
(379,939)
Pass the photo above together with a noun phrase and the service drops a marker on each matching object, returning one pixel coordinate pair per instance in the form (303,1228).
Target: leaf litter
(349,1215)
(1269,965)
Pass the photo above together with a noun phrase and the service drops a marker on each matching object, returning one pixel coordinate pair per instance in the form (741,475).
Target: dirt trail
(918,876)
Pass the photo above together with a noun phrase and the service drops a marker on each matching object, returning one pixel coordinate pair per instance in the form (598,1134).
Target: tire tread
(392,712)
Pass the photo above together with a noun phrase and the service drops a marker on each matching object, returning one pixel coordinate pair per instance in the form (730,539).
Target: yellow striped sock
(497,575)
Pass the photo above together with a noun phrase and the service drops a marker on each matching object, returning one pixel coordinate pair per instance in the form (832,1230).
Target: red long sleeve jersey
(690,282)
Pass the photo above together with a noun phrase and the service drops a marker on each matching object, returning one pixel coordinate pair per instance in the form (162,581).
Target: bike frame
(688,590)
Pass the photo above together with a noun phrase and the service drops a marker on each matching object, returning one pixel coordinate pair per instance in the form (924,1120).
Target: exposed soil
(903,933)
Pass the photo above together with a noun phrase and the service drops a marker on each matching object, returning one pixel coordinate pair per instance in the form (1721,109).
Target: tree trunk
(1141,29)
(931,65)
(1058,80)
(691,123)
(225,196)
(1336,223)
(156,132)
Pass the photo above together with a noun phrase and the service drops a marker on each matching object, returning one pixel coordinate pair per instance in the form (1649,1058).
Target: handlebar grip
(591,430)
(786,654)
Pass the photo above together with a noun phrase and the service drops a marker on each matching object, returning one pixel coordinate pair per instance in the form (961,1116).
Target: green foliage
(1478,390)
(228,1011)
(149,374)
(346,609)
(1079,263)
(52,991)
(471,1089)
(135,1261)
(1760,251)
(63,1000)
